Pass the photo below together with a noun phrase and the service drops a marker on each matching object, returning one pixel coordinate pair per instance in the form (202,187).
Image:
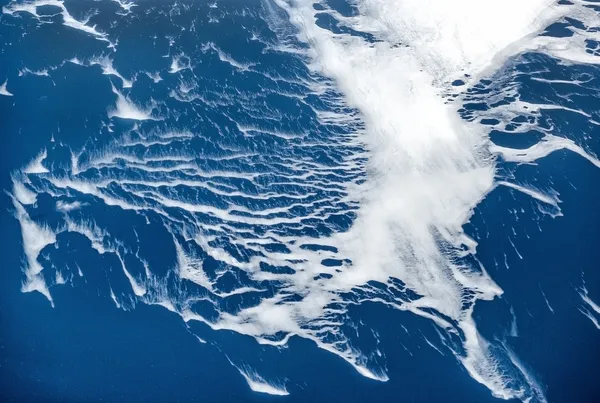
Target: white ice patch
(125,109)
(535,194)
(59,280)
(4,91)
(179,63)
(36,166)
(155,77)
(66,206)
(23,194)
(107,68)
(41,73)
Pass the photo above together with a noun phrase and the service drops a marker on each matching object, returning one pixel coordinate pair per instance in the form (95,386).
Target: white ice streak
(224,57)
(138,290)
(546,300)
(258,384)
(592,309)
(533,193)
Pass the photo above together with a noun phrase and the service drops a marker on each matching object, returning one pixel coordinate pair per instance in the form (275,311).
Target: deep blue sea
(298,201)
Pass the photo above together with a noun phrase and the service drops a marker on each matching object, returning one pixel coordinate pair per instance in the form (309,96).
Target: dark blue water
(269,148)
